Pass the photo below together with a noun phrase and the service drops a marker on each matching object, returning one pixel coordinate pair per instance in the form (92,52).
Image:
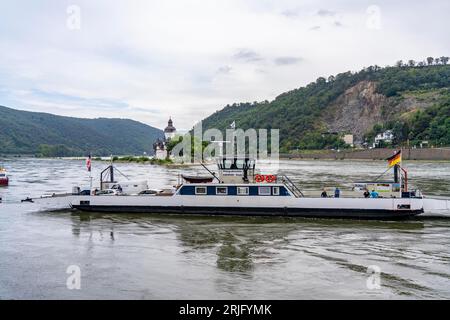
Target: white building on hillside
(386,136)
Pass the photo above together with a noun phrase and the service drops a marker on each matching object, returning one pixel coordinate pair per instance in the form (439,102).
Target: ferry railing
(291,186)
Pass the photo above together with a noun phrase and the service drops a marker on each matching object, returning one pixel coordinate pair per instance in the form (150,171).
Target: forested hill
(413,100)
(23,132)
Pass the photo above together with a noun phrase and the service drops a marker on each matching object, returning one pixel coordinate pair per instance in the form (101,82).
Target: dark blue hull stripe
(257,211)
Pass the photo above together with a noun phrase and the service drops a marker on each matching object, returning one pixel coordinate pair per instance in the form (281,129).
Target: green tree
(444,60)
(46,150)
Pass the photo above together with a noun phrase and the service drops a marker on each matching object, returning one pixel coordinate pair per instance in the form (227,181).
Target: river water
(176,257)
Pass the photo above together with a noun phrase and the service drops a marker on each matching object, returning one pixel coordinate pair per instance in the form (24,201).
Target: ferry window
(276,191)
(227,164)
(264,191)
(242,191)
(200,190)
(239,164)
(221,191)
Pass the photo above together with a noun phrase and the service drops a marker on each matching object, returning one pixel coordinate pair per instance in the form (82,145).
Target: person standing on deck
(366,193)
(374,194)
(337,193)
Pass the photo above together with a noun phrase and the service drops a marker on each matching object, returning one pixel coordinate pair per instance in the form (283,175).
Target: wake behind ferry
(238,189)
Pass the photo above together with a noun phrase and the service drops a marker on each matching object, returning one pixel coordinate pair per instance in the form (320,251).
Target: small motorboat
(197,179)
(4,180)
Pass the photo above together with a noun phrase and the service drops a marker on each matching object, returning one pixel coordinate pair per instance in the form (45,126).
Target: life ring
(259,178)
(271,178)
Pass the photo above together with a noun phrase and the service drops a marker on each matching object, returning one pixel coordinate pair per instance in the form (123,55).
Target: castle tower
(159,146)
(170,130)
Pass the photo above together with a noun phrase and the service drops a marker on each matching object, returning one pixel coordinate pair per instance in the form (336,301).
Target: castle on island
(160,145)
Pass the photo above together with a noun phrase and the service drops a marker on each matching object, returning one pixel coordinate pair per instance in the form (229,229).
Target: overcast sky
(148,60)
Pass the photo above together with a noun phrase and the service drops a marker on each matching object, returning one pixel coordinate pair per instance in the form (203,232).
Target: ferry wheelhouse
(238,189)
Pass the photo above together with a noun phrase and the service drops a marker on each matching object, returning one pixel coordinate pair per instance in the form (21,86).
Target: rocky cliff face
(361,107)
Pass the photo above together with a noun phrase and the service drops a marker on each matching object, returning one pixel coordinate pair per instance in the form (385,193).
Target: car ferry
(238,190)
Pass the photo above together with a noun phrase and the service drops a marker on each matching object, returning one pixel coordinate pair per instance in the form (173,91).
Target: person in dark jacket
(324,194)
(366,193)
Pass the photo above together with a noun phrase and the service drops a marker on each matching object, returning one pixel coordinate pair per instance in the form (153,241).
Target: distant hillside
(50,135)
(414,101)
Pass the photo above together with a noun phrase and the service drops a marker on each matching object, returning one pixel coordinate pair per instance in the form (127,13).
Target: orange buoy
(259,178)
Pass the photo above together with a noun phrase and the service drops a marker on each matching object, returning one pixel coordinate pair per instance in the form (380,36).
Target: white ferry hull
(51,203)
(358,208)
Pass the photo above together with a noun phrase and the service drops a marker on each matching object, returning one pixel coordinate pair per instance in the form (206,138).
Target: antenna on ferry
(212,173)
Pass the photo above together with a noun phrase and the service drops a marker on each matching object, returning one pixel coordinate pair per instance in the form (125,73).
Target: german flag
(396,158)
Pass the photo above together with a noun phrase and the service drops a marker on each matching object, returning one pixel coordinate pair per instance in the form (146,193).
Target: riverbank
(146,160)
(141,159)
(425,154)
(431,154)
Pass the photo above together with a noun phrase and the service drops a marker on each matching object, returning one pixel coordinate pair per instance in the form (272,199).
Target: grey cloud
(282,61)
(315,28)
(290,13)
(325,13)
(338,24)
(145,110)
(247,55)
(224,70)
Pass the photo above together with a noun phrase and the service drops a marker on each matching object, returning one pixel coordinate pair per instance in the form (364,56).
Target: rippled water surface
(175,257)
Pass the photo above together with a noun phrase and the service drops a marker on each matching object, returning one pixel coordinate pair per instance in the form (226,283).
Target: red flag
(88,163)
